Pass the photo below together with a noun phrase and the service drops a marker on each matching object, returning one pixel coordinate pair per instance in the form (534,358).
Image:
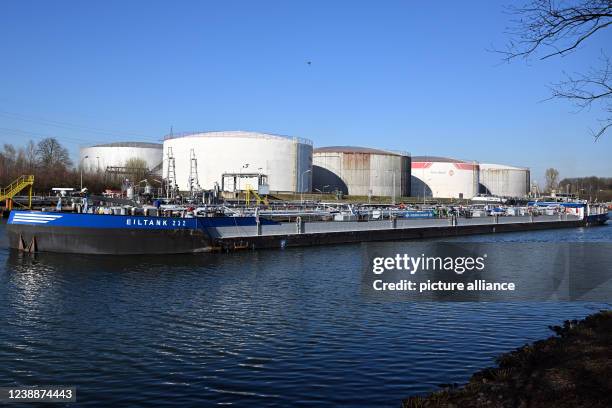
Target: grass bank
(573,368)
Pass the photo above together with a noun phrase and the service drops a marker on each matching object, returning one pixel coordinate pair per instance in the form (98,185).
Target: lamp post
(393,198)
(81,166)
(302,189)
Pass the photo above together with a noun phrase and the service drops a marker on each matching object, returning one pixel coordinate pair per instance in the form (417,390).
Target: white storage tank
(443,177)
(361,171)
(99,157)
(504,181)
(285,161)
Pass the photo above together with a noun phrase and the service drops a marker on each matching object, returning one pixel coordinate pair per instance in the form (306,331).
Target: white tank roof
(493,166)
(437,159)
(237,134)
(131,144)
(359,149)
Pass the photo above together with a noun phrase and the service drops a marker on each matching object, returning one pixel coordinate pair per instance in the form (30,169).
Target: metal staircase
(171,186)
(250,192)
(17,186)
(194,181)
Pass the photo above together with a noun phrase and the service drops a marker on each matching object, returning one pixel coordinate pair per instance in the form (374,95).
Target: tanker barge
(86,233)
(37,231)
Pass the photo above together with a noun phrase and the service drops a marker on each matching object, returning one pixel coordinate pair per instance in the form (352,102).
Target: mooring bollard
(299,224)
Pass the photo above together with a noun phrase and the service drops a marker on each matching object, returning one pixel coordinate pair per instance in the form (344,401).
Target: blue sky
(396,74)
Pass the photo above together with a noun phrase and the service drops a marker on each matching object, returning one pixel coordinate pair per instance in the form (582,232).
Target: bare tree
(51,154)
(20,160)
(7,163)
(552,176)
(30,156)
(137,168)
(556,28)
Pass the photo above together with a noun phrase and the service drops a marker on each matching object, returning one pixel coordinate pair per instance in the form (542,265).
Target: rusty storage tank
(361,171)
(504,181)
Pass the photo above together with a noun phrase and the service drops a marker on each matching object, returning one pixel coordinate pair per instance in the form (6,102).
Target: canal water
(264,329)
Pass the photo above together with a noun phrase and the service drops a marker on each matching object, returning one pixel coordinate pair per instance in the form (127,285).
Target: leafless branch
(586,89)
(556,28)
(602,129)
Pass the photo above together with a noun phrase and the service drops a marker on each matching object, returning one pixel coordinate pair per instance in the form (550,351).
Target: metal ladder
(194,182)
(170,175)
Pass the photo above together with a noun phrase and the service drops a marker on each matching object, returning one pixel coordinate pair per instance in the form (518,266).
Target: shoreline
(572,368)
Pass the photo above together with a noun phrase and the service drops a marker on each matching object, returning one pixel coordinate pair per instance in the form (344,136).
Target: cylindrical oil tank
(442,177)
(286,162)
(99,157)
(361,171)
(504,181)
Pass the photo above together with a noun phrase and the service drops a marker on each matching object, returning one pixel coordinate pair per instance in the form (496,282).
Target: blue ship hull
(113,234)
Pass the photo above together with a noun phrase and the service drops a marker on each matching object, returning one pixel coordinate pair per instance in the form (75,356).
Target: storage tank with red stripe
(443,177)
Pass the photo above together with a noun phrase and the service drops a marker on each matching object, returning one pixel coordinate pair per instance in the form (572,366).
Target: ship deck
(314,227)
(328,233)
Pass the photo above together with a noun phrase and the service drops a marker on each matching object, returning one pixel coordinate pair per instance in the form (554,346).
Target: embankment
(573,368)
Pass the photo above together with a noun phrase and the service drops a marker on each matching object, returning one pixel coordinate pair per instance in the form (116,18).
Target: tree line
(51,166)
(595,188)
(592,188)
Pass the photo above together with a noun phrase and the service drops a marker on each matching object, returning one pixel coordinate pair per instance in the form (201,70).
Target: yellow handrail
(22,182)
(250,191)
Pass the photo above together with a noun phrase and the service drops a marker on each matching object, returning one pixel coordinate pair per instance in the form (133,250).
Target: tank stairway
(17,186)
(250,192)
